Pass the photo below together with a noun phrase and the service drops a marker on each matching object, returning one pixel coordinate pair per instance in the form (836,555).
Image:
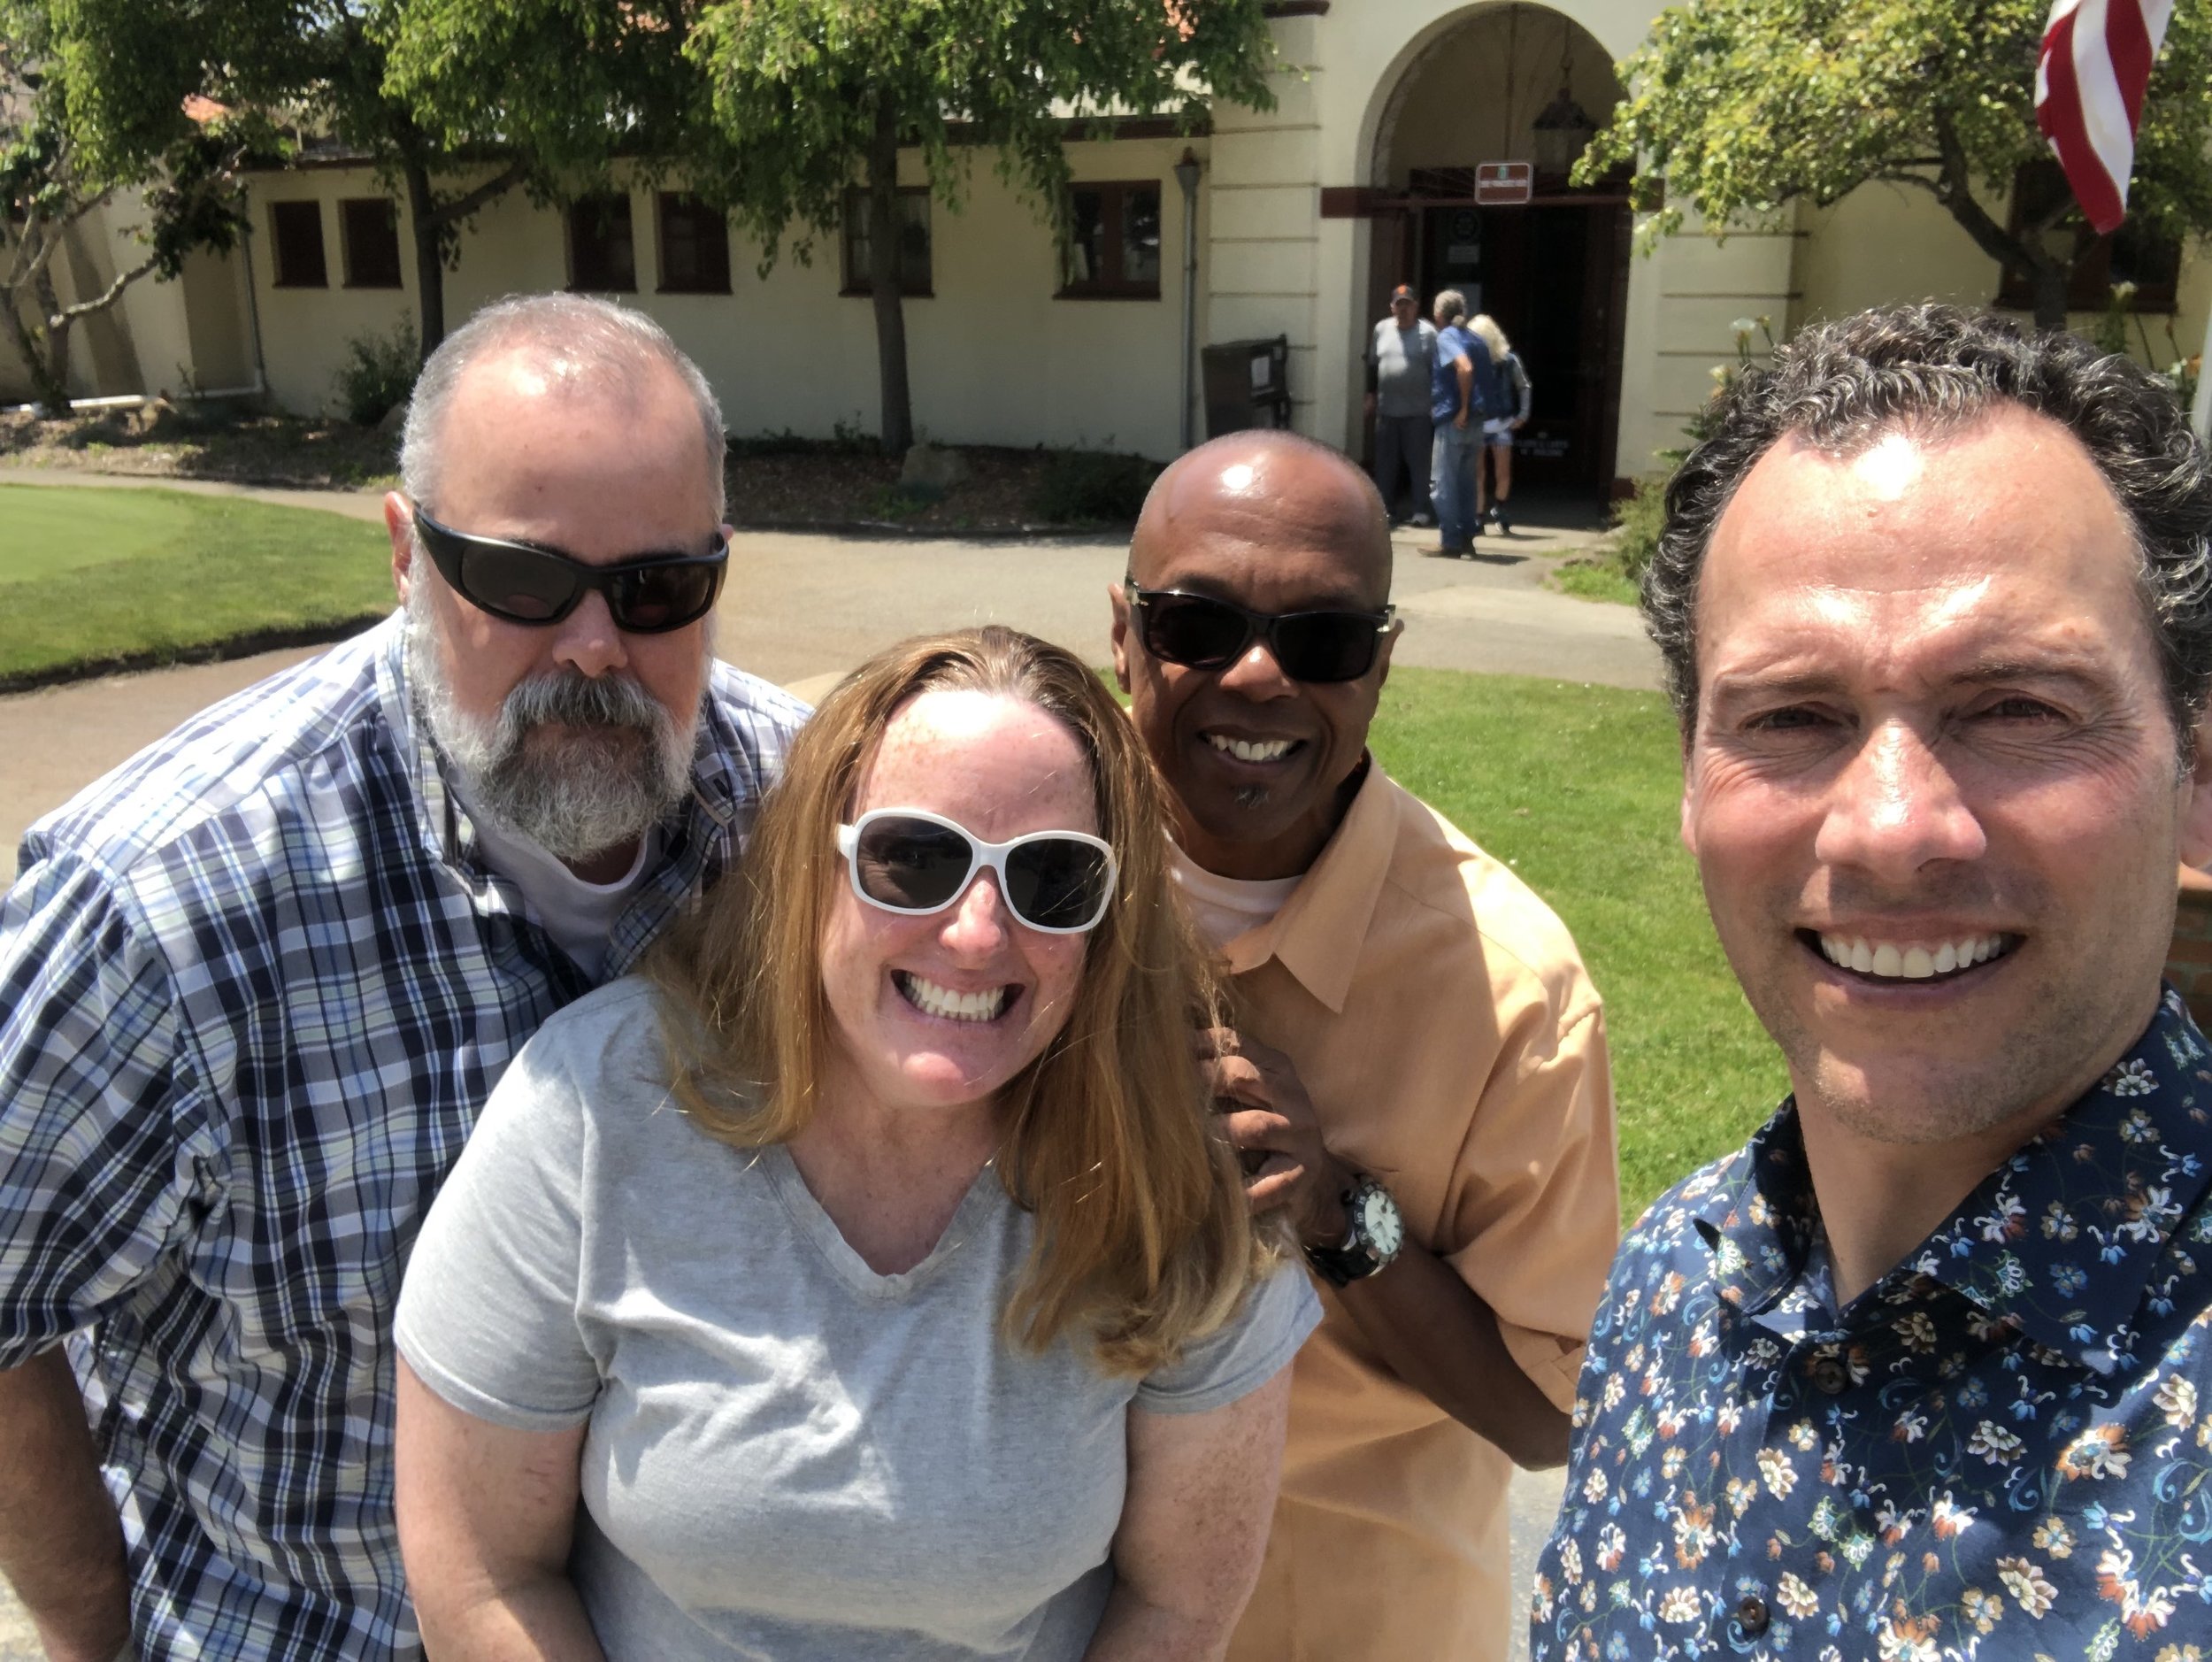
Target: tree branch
(459,208)
(67,315)
(1955,191)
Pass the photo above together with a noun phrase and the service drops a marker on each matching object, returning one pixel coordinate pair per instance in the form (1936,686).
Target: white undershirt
(1226,907)
(579,916)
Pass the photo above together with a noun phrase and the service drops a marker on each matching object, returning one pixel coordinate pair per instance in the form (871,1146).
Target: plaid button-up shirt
(254,986)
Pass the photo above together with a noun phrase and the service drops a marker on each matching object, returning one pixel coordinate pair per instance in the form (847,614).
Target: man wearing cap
(1400,360)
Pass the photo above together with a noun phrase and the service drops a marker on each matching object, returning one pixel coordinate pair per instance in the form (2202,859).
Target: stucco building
(1362,176)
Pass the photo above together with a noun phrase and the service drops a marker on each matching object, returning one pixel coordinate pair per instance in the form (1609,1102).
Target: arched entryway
(1512,83)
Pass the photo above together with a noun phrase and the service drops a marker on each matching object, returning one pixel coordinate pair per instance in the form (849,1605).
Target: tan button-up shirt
(1455,1049)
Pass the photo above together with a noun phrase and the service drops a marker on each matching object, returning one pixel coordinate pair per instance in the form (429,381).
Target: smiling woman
(95,578)
(942,1235)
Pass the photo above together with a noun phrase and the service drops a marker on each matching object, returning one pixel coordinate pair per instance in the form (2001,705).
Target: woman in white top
(870,1282)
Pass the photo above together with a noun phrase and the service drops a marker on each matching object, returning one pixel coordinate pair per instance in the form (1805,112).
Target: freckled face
(942,1009)
(1931,788)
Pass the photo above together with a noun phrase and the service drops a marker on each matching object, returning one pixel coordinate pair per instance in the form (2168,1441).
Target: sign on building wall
(1504,184)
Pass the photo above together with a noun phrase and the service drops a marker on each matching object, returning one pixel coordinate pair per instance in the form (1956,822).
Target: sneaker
(1421,521)
(1498,517)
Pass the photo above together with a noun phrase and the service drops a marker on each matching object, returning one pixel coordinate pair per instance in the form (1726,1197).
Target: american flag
(2089,87)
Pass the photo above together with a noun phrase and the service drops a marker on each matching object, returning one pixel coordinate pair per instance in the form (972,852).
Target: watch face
(1379,1222)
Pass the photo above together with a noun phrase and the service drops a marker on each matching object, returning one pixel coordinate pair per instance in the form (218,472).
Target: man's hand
(1368,404)
(1460,420)
(1271,1120)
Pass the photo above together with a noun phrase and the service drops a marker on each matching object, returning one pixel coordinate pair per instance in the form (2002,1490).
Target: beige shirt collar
(1317,933)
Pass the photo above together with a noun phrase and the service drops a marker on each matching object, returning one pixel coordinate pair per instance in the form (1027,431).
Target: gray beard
(576,764)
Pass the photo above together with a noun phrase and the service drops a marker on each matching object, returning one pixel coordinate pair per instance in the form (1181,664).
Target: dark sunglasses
(910,860)
(1200,632)
(524,583)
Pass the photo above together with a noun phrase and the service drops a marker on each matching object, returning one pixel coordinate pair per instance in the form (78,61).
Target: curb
(229,647)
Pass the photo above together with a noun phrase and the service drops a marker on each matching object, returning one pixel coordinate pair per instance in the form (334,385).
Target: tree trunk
(883,280)
(49,355)
(2050,294)
(422,214)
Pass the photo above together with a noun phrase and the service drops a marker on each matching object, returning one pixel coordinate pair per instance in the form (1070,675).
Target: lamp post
(1187,177)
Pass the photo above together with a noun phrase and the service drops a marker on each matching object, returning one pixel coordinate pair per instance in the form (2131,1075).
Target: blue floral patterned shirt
(2003,1449)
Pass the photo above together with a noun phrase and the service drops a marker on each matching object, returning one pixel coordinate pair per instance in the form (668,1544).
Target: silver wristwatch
(1374,1234)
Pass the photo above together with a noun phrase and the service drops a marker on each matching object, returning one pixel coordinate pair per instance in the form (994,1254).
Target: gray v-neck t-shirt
(790,1457)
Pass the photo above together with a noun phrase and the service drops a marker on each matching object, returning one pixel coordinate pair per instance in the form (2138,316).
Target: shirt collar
(696,837)
(2060,1242)
(1317,933)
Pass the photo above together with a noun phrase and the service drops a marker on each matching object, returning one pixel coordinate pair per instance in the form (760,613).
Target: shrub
(378,374)
(1092,487)
(1637,521)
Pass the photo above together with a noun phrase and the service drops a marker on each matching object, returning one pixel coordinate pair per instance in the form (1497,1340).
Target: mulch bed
(785,483)
(162,441)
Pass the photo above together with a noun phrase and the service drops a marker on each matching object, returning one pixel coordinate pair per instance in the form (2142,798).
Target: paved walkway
(800,608)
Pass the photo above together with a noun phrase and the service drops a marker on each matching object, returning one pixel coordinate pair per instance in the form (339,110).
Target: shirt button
(1752,1615)
(1830,1375)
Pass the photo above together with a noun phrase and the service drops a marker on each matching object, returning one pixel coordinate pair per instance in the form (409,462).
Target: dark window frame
(287,262)
(2035,188)
(349,240)
(1111,284)
(684,209)
(585,275)
(857,284)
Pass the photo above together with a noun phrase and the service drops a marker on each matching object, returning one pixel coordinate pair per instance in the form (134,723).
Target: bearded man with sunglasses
(1418,1077)
(255,985)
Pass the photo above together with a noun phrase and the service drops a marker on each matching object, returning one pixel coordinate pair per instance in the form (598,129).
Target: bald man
(1418,1073)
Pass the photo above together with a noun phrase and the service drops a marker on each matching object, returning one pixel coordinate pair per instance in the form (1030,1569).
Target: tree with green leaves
(809,96)
(452,103)
(1736,107)
(559,90)
(58,168)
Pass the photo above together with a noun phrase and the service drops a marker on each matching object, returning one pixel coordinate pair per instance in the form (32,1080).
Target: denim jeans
(1403,442)
(1452,482)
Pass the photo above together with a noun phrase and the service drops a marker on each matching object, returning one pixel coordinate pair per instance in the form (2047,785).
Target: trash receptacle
(1247,385)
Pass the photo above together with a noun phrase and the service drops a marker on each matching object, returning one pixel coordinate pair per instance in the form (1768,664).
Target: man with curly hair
(1916,1371)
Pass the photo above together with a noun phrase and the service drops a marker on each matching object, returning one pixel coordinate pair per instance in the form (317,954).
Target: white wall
(994,358)
(1888,242)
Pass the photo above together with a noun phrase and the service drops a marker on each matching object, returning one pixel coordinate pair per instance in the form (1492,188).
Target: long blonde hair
(1485,328)
(1143,1236)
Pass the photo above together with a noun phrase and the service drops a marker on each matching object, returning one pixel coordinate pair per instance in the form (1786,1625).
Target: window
(295,234)
(694,243)
(602,259)
(368,237)
(2128,255)
(913,222)
(1115,242)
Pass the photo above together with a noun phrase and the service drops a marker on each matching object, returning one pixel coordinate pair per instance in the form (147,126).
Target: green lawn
(93,575)
(1577,787)
(1594,578)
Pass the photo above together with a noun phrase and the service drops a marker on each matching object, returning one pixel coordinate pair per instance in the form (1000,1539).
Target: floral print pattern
(2002,1450)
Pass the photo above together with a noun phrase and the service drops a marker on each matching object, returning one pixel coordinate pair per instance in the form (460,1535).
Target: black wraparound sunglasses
(1202,632)
(650,594)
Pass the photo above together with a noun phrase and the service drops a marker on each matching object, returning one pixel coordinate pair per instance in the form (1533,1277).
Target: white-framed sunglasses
(912,861)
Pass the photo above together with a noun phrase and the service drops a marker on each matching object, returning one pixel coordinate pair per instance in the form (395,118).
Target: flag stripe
(2089,87)
(2104,111)
(2128,48)
(2060,117)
